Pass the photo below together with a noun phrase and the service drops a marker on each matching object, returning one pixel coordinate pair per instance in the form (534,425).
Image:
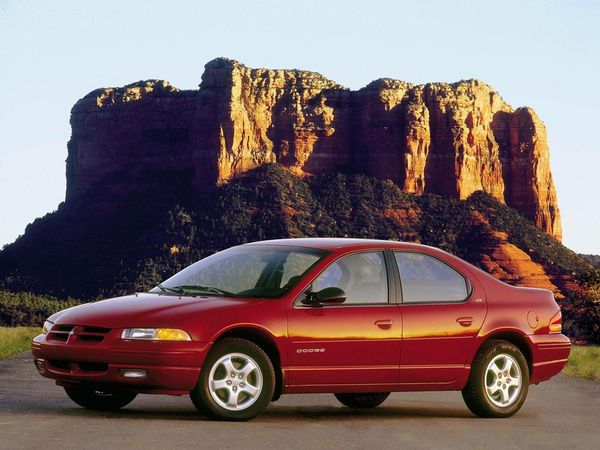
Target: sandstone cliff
(450,139)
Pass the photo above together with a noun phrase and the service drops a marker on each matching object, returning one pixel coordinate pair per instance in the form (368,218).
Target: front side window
(362,276)
(245,271)
(427,279)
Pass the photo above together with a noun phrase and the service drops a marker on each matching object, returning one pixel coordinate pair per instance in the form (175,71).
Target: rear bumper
(168,367)
(550,354)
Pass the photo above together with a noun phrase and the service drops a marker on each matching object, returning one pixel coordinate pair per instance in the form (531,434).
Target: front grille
(60,332)
(98,330)
(75,333)
(90,337)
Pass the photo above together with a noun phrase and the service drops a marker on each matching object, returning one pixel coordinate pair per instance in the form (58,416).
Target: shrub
(581,317)
(26,309)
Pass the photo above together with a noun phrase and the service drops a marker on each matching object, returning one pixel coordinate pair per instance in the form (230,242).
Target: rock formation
(449,139)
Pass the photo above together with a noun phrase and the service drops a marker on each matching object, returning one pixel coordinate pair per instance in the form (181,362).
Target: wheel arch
(264,340)
(516,338)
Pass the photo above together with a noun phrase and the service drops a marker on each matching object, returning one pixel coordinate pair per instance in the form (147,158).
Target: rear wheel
(366,400)
(101,400)
(498,382)
(236,382)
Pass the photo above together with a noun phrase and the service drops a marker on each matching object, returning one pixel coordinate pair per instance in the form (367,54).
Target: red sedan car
(357,318)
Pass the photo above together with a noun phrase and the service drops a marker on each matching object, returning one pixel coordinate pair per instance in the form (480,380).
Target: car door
(350,344)
(442,312)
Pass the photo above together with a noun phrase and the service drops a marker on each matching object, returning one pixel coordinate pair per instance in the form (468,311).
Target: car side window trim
(391,283)
(402,301)
(394,284)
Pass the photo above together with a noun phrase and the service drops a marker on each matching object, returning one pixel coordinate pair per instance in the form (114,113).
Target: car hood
(148,310)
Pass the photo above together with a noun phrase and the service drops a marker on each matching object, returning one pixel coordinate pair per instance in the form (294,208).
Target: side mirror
(330,295)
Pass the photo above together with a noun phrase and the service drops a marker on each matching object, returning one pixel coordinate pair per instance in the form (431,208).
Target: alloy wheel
(235,381)
(503,380)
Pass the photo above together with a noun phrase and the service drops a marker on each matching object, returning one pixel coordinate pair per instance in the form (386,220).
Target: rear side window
(426,279)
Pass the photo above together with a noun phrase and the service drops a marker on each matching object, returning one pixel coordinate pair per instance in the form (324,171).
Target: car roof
(338,243)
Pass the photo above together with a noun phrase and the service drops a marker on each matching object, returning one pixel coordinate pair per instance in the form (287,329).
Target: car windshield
(246,271)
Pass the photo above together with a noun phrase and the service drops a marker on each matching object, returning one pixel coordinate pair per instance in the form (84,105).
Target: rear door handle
(465,321)
(384,324)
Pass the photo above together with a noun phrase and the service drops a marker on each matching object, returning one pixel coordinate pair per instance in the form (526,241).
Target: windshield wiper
(166,289)
(191,289)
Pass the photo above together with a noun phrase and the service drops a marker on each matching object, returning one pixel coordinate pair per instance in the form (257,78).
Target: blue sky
(543,54)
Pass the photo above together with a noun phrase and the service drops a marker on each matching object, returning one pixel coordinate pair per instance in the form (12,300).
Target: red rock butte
(449,139)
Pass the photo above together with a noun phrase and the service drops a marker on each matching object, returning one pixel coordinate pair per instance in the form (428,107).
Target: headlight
(155,334)
(46,327)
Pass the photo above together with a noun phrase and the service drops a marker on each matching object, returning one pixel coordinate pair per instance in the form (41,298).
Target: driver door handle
(384,324)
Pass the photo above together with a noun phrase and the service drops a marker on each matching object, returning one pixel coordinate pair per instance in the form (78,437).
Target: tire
(366,400)
(100,400)
(498,382)
(236,382)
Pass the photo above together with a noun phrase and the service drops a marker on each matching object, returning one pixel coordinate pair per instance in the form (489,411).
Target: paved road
(36,414)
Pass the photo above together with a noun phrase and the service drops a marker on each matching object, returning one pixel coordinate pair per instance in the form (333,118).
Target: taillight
(556,323)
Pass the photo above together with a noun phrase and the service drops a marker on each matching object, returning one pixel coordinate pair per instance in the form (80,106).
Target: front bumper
(550,355)
(167,367)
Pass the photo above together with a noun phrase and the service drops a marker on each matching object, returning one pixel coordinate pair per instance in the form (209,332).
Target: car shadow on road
(276,413)
(382,412)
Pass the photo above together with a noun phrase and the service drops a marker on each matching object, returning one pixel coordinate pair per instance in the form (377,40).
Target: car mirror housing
(329,295)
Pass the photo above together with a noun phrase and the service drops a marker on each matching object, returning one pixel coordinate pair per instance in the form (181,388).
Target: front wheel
(498,382)
(100,400)
(366,400)
(236,382)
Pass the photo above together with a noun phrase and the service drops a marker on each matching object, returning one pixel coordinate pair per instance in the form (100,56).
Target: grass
(584,362)
(16,340)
